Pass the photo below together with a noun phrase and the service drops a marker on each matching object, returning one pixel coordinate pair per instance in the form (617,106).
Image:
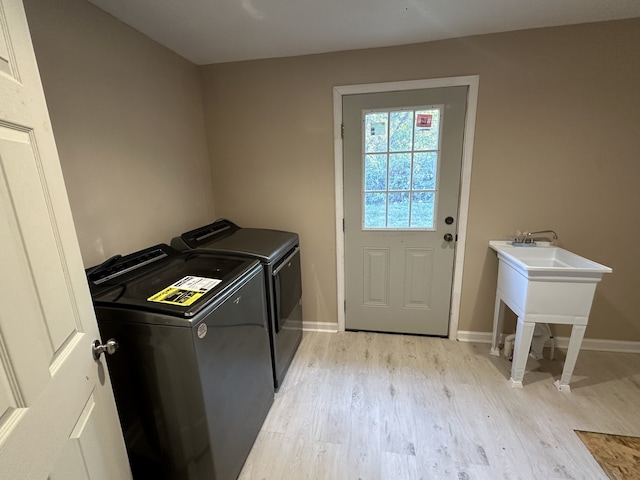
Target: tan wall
(556,146)
(128,119)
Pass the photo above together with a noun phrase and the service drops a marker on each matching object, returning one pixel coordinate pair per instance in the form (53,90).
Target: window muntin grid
(401,160)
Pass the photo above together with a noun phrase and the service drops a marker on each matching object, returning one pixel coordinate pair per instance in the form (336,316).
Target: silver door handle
(110,348)
(448,237)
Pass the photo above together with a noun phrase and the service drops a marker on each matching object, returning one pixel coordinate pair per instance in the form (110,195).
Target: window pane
(425,167)
(426,138)
(399,171)
(375,172)
(375,132)
(401,155)
(398,210)
(375,210)
(422,204)
(401,131)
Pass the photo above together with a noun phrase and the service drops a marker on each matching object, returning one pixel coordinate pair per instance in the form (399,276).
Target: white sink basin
(543,284)
(547,261)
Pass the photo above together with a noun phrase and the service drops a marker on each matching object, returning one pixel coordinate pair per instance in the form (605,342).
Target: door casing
(472,81)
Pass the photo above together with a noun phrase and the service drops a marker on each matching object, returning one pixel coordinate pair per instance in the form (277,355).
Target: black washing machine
(192,375)
(279,253)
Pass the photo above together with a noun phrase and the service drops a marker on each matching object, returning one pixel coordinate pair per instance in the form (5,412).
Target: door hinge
(344,307)
(342,131)
(343,225)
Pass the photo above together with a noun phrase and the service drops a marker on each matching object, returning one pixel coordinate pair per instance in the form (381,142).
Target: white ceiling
(214,31)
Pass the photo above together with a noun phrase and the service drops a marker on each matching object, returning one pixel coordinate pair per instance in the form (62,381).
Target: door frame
(472,81)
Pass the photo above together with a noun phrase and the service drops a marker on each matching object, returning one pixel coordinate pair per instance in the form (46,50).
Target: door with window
(402,162)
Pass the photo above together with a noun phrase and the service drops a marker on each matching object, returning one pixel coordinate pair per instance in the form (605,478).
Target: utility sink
(547,261)
(543,284)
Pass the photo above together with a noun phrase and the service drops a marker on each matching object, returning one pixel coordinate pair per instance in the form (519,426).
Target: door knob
(448,237)
(110,348)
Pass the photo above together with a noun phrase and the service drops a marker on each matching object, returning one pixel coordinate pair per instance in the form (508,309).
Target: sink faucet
(528,237)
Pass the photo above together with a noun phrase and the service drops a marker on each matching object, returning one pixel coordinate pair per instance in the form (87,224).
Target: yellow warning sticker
(185,291)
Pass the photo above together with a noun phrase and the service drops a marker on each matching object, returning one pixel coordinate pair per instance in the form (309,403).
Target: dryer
(279,253)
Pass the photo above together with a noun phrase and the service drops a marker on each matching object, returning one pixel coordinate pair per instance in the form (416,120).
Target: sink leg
(524,334)
(575,341)
(498,316)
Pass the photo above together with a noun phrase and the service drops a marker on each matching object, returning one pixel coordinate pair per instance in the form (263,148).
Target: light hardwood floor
(382,407)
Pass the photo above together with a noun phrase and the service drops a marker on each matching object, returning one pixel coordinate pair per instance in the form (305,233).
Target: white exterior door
(402,162)
(57,412)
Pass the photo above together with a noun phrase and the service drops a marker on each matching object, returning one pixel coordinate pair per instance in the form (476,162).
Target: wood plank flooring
(370,406)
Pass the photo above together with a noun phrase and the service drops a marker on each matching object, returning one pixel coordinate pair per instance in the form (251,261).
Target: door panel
(418,272)
(71,464)
(376,276)
(57,413)
(398,267)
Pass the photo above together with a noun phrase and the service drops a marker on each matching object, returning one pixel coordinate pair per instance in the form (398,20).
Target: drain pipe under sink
(508,346)
(543,334)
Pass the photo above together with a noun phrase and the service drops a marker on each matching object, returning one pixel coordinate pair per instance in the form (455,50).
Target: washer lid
(226,237)
(181,284)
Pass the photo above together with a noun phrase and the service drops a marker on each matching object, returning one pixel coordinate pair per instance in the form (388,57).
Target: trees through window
(400,159)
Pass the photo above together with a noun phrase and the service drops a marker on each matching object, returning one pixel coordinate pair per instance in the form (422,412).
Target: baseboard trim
(602,345)
(328,327)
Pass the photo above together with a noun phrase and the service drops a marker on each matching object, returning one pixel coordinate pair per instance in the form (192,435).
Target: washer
(192,375)
(279,253)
